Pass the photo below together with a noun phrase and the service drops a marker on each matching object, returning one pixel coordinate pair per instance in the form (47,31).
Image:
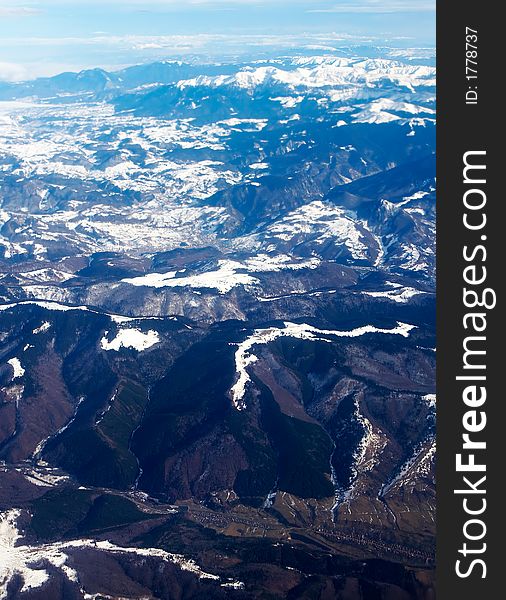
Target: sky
(46,37)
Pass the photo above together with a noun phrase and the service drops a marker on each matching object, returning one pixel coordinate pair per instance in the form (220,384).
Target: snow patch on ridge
(224,278)
(44,327)
(27,561)
(15,363)
(227,275)
(130,338)
(58,307)
(401,295)
(325,222)
(244,357)
(430,399)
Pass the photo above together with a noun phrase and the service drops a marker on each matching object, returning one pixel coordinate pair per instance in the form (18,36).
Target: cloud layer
(378,6)
(42,37)
(18,11)
(14,8)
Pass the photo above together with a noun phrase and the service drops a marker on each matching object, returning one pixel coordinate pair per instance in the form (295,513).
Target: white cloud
(12,72)
(187,41)
(322,6)
(18,11)
(151,4)
(378,6)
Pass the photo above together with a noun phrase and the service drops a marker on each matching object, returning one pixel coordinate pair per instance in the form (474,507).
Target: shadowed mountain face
(217,342)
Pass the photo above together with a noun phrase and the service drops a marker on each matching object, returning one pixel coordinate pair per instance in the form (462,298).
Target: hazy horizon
(42,38)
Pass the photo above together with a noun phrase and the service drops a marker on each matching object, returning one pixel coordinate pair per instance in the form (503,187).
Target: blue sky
(50,36)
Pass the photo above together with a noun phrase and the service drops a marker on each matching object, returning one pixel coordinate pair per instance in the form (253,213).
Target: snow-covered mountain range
(217,328)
